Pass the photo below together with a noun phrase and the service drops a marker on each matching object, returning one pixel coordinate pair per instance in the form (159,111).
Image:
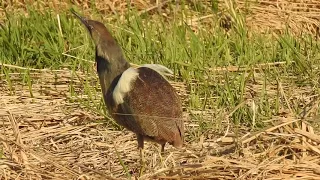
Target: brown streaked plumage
(140,99)
(152,109)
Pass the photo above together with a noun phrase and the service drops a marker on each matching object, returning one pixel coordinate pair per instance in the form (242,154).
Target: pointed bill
(82,19)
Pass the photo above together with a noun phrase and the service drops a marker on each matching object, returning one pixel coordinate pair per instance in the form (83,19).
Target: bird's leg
(140,146)
(142,162)
(162,148)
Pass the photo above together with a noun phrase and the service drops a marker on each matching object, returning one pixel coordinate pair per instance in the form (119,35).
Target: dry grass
(48,137)
(300,16)
(51,137)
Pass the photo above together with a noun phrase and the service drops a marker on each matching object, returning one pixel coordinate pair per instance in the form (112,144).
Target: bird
(140,98)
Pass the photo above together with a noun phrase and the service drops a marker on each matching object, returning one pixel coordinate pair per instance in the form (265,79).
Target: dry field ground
(51,134)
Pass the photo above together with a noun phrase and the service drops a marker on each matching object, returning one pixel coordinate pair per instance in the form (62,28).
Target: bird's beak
(82,19)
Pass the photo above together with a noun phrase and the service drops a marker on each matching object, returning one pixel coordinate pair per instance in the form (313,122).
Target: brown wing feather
(120,113)
(152,108)
(157,106)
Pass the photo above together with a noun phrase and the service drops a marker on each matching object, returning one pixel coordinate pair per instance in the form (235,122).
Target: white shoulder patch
(124,84)
(159,68)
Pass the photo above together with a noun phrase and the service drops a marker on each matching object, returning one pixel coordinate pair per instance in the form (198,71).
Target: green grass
(37,42)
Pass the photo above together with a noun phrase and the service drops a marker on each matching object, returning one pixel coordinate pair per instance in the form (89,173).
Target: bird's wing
(160,69)
(149,104)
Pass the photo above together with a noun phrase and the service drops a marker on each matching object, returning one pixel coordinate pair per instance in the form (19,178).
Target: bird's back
(144,102)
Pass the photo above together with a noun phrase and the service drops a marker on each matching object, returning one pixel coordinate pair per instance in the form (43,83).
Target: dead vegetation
(300,16)
(48,136)
(51,137)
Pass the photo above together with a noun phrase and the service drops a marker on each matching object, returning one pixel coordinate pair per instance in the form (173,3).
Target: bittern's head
(106,45)
(96,29)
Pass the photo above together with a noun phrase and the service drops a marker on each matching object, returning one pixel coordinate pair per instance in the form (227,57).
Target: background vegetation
(236,65)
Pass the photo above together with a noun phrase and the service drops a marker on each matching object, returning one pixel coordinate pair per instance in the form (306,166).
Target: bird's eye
(91,27)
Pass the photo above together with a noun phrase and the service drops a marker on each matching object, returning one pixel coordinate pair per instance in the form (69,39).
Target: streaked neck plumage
(110,63)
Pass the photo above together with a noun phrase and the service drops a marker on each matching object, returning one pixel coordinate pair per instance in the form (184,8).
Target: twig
(268,130)
(59,25)
(314,137)
(153,7)
(31,69)
(230,114)
(256,67)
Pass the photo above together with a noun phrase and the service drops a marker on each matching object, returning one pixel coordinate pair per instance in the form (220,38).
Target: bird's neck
(108,69)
